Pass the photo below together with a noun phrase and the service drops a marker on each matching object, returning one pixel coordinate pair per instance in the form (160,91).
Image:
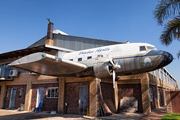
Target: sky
(23,22)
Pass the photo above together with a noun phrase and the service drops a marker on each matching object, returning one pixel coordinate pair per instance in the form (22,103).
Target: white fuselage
(113,51)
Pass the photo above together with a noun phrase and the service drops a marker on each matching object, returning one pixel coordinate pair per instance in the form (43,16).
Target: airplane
(102,62)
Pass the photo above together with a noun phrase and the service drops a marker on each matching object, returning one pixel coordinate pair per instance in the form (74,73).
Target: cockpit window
(142,48)
(151,48)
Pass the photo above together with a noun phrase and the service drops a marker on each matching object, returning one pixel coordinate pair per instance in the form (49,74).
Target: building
(25,90)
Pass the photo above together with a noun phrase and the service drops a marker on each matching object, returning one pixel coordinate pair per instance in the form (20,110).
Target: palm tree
(168,10)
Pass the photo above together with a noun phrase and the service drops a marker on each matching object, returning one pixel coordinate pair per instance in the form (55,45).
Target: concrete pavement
(24,115)
(156,114)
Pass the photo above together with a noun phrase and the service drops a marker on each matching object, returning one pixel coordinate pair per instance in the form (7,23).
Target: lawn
(171,116)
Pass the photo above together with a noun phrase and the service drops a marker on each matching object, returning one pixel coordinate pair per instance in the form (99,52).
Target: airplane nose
(168,58)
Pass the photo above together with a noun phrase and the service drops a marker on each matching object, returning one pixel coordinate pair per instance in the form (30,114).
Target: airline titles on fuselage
(94,51)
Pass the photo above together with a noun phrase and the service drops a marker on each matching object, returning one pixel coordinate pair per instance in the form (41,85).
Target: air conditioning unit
(32,73)
(13,73)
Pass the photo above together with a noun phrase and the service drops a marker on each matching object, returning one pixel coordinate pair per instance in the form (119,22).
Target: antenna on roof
(49,20)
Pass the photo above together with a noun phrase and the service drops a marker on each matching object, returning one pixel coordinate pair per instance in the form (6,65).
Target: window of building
(142,48)
(8,92)
(52,92)
(151,94)
(89,57)
(20,92)
(79,59)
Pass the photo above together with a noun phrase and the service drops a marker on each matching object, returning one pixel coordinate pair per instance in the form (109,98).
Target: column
(61,95)
(28,97)
(94,98)
(146,106)
(157,97)
(2,94)
(168,102)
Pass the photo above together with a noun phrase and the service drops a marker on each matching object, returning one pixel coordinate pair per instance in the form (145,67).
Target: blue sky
(23,22)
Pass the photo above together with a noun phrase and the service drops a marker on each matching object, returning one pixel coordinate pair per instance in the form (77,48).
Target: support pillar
(94,98)
(2,94)
(61,95)
(146,106)
(168,102)
(164,96)
(28,97)
(157,97)
(116,96)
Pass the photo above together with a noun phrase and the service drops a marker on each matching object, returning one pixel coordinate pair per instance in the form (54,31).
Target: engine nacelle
(102,67)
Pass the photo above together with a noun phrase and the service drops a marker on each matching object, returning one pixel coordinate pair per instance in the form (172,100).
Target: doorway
(83,100)
(12,98)
(40,92)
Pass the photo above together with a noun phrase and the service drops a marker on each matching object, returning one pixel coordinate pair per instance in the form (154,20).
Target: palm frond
(171,31)
(166,9)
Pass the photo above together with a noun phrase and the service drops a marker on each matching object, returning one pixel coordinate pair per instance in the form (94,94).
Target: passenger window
(79,59)
(99,55)
(142,48)
(89,57)
(71,59)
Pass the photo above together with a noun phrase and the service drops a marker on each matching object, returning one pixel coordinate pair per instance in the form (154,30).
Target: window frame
(20,92)
(50,88)
(89,57)
(151,94)
(79,59)
(144,48)
(70,59)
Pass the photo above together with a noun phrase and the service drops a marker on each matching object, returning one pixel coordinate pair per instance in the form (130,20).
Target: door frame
(11,97)
(37,100)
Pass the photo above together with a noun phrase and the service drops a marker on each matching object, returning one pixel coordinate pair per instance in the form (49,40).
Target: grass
(171,116)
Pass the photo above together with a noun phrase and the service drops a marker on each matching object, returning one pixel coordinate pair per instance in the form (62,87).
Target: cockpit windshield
(144,48)
(151,48)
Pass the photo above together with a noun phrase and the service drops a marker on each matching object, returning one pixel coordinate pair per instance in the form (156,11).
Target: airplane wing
(47,64)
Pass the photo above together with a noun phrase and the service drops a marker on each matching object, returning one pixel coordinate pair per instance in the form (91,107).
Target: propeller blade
(110,59)
(114,77)
(119,62)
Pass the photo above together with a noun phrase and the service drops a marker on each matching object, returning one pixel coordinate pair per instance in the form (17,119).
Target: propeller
(114,67)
